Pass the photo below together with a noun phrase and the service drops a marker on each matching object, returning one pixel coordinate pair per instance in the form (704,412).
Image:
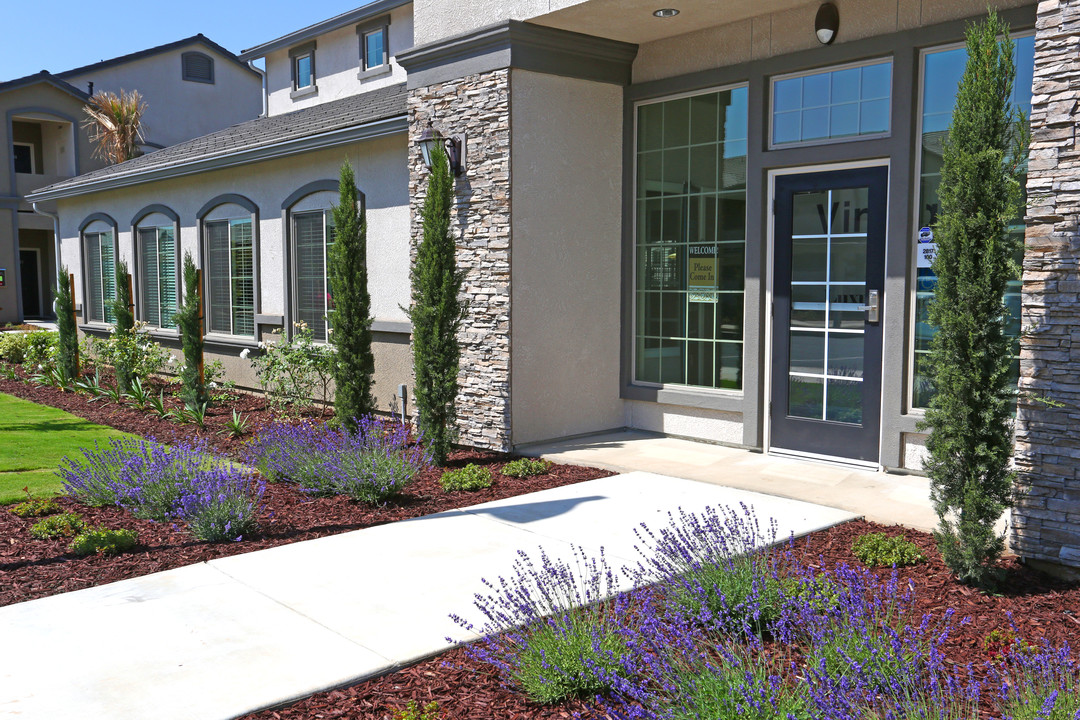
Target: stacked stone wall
(479,106)
(1046,519)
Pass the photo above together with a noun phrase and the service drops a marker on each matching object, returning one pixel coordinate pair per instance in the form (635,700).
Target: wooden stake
(131,298)
(198,294)
(75,321)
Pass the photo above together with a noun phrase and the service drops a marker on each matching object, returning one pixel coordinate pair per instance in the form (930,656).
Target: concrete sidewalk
(888,498)
(219,639)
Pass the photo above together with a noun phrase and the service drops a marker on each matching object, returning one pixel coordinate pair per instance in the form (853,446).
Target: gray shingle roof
(369,107)
(46,77)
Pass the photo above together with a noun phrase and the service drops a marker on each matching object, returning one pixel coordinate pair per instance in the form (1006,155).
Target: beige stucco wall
(791,30)
(566,172)
(381,174)
(337,64)
(688,422)
(177,109)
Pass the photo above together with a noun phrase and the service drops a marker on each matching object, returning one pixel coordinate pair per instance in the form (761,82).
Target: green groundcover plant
(470,477)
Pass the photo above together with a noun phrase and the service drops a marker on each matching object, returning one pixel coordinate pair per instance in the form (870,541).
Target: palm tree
(115,125)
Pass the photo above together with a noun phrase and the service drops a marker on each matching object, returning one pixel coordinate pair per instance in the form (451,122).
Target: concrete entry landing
(887,498)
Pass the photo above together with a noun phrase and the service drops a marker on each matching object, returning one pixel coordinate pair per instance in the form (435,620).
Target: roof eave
(378,128)
(379,7)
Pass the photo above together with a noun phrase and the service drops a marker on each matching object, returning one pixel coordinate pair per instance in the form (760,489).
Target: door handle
(872,306)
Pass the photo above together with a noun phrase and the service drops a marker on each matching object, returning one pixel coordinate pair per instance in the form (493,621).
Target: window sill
(309,91)
(375,72)
(240,342)
(163,333)
(704,398)
(98,328)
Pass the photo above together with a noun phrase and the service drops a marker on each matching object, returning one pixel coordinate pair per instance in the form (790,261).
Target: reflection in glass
(691,239)
(832,104)
(806,397)
(942,71)
(844,402)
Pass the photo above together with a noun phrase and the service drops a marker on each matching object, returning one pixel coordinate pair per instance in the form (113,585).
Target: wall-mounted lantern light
(455,148)
(827,23)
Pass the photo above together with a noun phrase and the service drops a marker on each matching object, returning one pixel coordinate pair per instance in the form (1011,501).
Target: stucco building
(707,219)
(44,141)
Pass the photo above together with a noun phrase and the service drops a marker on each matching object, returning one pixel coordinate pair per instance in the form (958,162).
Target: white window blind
(100,276)
(230,277)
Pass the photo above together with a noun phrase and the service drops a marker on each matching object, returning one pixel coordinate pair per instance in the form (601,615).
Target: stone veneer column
(1046,519)
(479,106)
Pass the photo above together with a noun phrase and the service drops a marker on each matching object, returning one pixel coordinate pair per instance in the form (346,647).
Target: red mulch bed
(1040,607)
(32,568)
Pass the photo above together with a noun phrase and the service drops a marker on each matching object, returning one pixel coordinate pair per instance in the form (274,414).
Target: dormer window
(374,46)
(197,67)
(303,68)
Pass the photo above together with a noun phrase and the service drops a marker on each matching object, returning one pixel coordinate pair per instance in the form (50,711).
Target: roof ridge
(157,49)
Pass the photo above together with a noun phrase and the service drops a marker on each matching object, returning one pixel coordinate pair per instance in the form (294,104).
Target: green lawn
(33,440)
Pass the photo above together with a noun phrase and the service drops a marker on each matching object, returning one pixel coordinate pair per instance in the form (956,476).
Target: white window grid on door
(827,307)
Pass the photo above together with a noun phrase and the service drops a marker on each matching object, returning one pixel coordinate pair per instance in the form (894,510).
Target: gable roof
(373,9)
(131,57)
(44,77)
(372,114)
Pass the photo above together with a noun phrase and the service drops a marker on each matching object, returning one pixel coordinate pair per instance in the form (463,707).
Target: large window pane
(314,235)
(942,71)
(846,102)
(157,260)
(231,277)
(691,240)
(100,276)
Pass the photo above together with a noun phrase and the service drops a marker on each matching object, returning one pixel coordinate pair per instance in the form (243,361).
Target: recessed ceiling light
(665,12)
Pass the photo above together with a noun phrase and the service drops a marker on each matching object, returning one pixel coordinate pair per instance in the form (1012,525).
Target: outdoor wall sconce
(455,148)
(827,23)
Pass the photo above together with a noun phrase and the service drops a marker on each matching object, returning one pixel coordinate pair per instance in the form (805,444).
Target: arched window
(98,234)
(230,269)
(155,230)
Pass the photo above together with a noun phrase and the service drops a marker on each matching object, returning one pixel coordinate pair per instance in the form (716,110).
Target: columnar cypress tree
(69,332)
(971,444)
(350,316)
(436,314)
(125,322)
(187,320)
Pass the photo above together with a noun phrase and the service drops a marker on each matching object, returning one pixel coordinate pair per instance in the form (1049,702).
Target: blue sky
(59,35)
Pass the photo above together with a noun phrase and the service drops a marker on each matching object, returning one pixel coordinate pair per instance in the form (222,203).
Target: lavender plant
(550,628)
(220,505)
(370,465)
(1040,684)
(718,568)
(160,483)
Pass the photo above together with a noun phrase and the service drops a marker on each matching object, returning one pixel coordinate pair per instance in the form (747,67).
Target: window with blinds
(231,277)
(157,270)
(313,235)
(100,276)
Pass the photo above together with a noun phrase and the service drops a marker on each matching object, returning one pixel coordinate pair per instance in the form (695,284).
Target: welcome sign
(701,273)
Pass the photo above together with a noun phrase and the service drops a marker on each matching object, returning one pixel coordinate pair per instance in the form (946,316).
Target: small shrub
(880,550)
(65,525)
(36,507)
(551,629)
(369,465)
(470,477)
(414,712)
(524,467)
(104,542)
(133,353)
(236,426)
(290,370)
(13,346)
(221,505)
(41,348)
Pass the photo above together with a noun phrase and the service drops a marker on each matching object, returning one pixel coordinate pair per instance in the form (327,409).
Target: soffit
(633,21)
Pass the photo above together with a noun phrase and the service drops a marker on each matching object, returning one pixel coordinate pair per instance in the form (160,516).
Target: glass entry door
(829,248)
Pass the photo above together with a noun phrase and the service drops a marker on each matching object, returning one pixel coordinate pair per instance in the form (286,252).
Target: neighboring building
(704,223)
(43,141)
(251,203)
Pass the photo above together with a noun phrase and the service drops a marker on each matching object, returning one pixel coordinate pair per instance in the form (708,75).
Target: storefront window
(691,238)
(942,70)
